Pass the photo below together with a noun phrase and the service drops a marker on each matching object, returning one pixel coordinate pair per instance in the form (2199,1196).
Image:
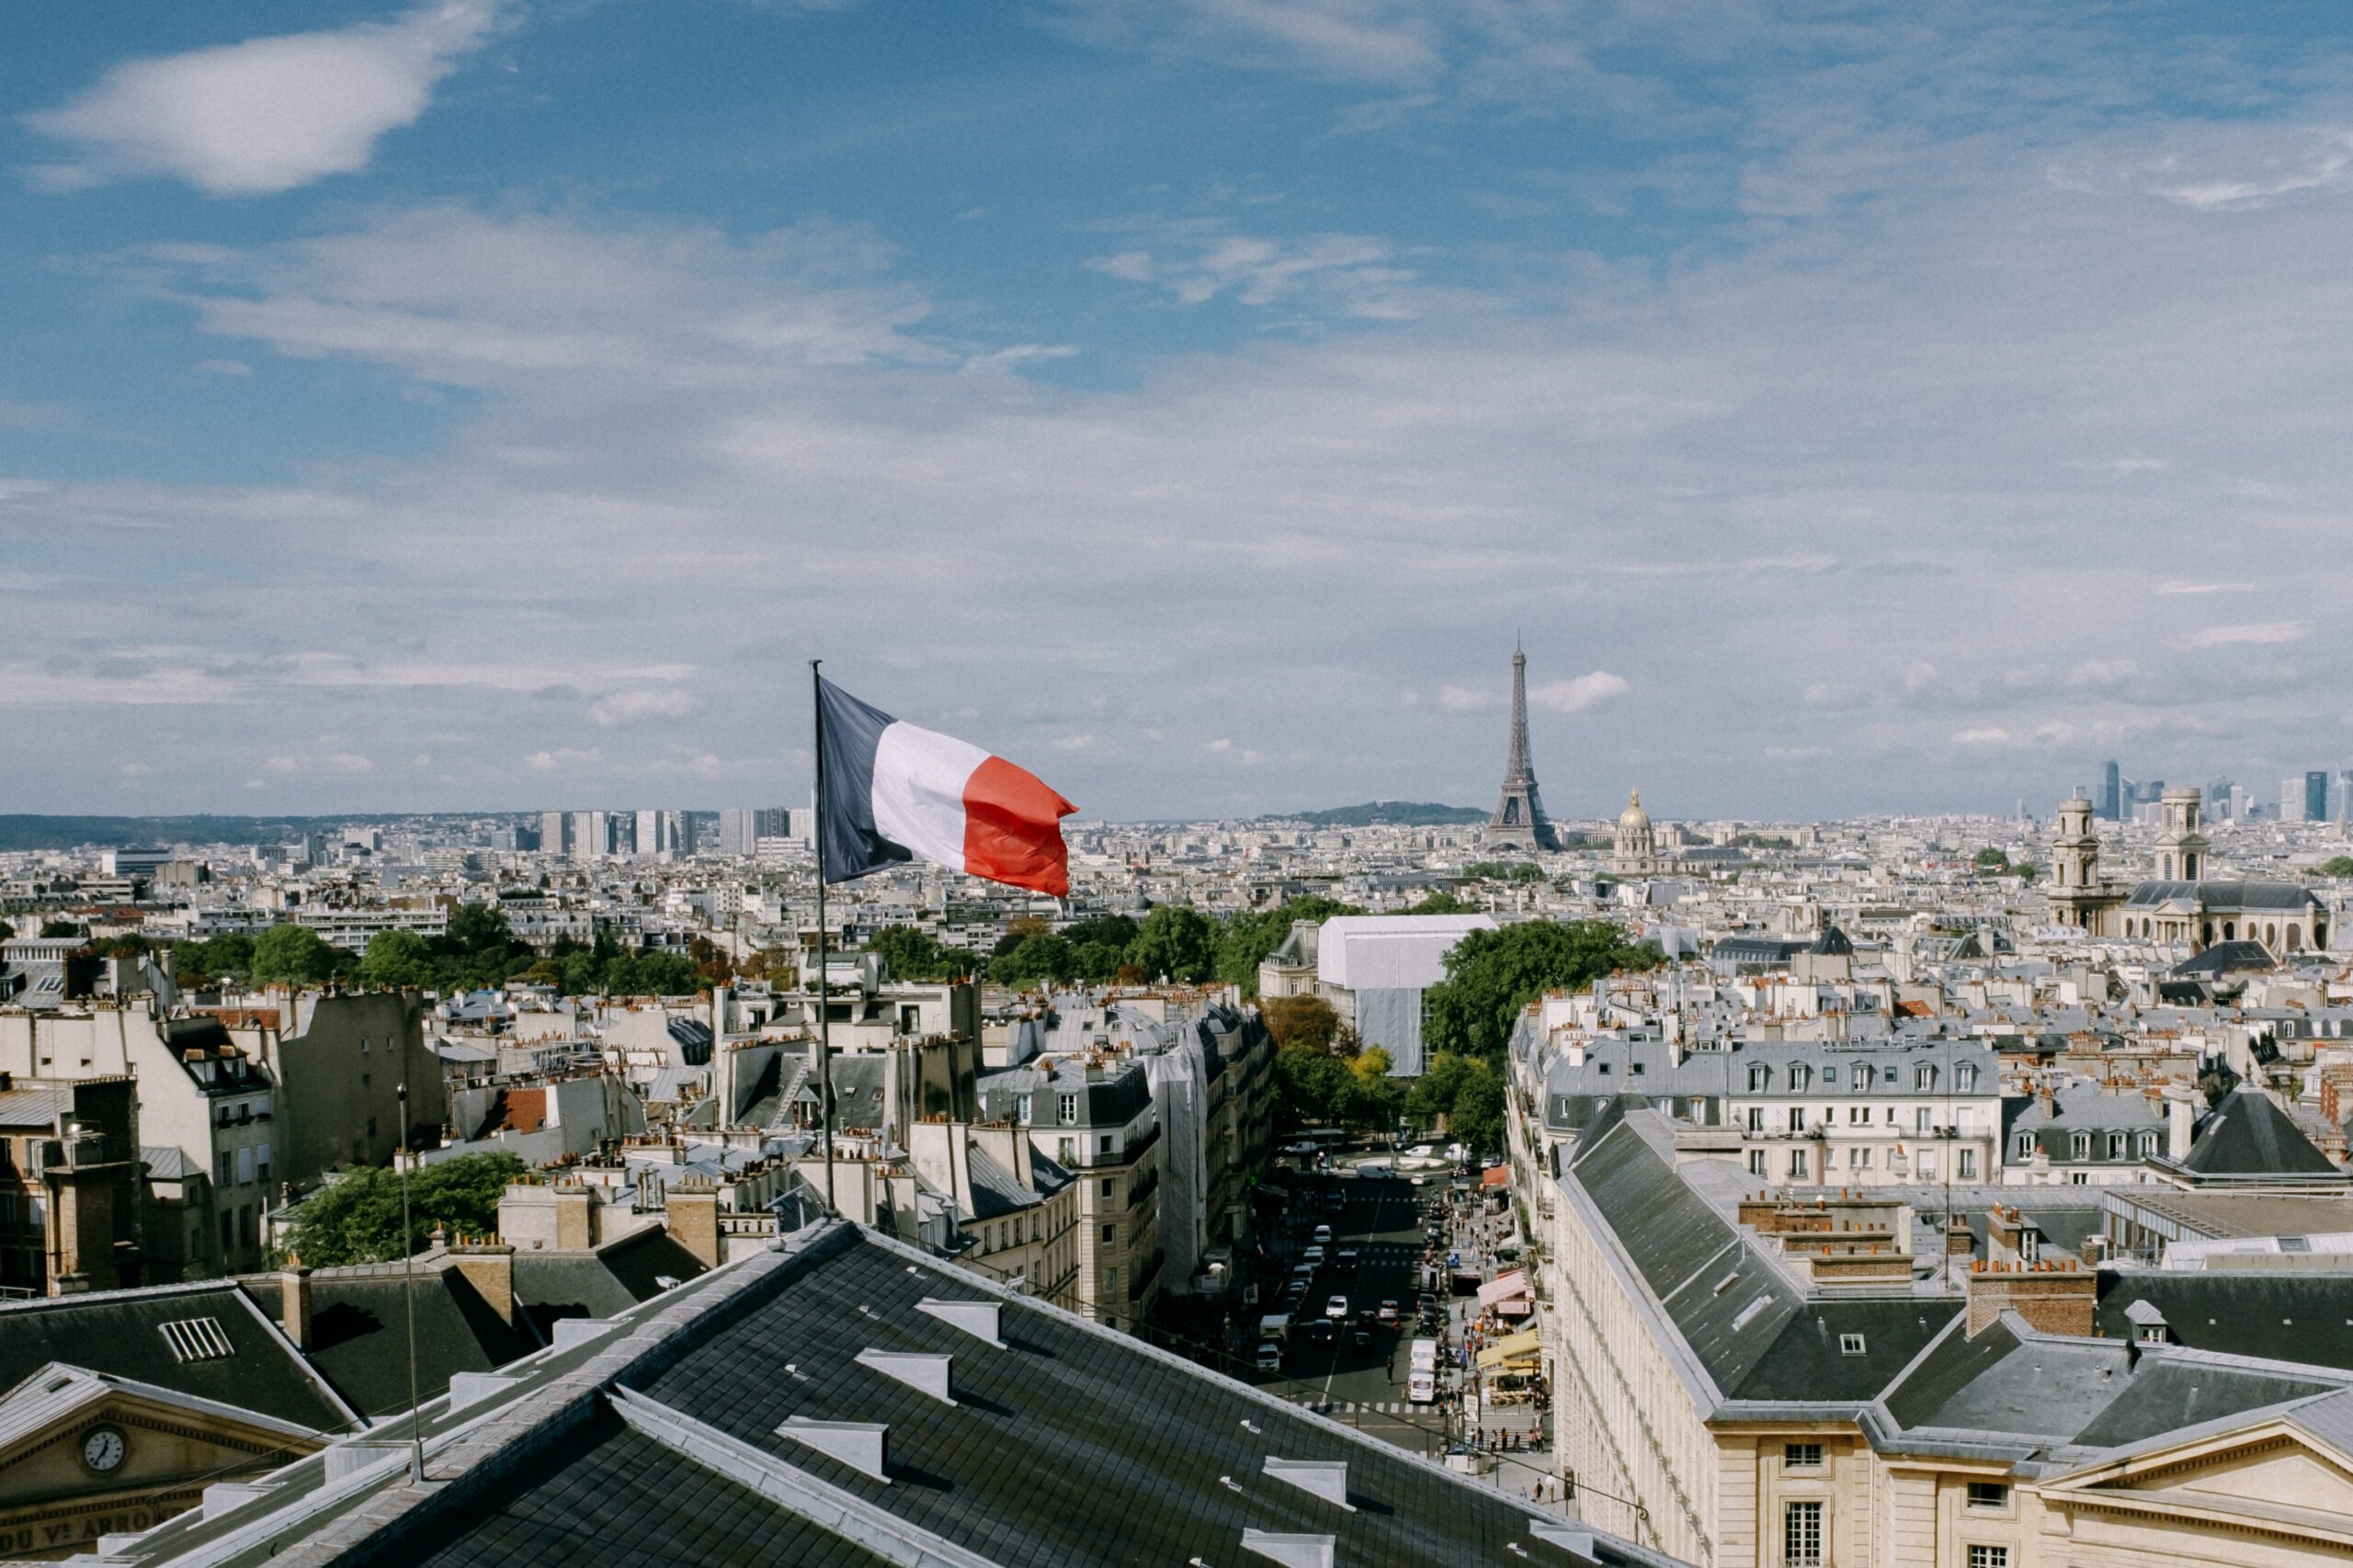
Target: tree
(53,928)
(1038,960)
(713,966)
(1018,929)
(199,964)
(356,1219)
(475,927)
(650,974)
(1992,860)
(294,955)
(1301,1023)
(1477,1119)
(1491,975)
(2337,865)
(1176,942)
(1441,902)
(1310,1088)
(396,957)
(1247,941)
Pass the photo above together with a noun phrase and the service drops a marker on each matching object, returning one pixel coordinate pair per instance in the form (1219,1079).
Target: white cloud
(1578,695)
(264,116)
(2259,632)
(1990,735)
(563,759)
(1198,260)
(2167,590)
(1796,754)
(625,708)
(312,764)
(2102,674)
(1467,700)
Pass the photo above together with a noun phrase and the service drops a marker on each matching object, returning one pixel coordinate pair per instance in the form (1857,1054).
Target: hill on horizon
(1386,813)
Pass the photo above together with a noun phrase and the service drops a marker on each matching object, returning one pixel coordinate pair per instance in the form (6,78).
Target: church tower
(1519,821)
(2077,896)
(2181,847)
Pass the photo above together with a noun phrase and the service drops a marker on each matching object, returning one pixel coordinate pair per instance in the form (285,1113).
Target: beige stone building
(1789,1385)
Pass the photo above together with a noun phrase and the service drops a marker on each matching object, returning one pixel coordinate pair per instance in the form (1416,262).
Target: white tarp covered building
(1374,968)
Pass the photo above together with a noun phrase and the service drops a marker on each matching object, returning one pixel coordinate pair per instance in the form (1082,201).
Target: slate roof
(551,1286)
(2247,1135)
(1066,1445)
(120,1333)
(622,1499)
(2224,958)
(359,1333)
(2278,1314)
(2287,898)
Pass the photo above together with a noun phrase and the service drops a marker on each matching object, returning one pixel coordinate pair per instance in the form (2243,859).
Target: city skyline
(1906,415)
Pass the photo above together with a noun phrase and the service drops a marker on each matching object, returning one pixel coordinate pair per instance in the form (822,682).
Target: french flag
(890,792)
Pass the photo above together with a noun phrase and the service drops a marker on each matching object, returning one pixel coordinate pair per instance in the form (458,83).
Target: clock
(103,1448)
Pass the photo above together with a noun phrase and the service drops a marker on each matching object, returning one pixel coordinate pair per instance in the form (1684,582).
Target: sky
(495,404)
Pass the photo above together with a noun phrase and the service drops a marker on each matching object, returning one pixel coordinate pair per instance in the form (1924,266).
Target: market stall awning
(1504,1287)
(1515,1349)
(1498,1176)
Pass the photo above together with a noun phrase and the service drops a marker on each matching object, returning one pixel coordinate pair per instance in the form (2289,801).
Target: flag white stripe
(918,800)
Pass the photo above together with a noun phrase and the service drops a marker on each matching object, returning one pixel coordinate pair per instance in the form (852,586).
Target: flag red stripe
(1013,829)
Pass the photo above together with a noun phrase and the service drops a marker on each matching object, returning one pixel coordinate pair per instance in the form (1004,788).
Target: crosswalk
(1354,1407)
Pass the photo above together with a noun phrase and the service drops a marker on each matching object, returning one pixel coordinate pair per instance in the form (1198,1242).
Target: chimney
(576,1217)
(2181,1121)
(294,1301)
(489,1267)
(691,1211)
(2055,1296)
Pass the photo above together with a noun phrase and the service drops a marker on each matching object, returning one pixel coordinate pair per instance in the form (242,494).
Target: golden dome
(1635,816)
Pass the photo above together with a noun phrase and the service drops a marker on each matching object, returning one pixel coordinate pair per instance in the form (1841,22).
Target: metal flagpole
(408,1296)
(824,1020)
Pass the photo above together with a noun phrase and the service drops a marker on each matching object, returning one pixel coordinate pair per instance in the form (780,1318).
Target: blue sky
(493,404)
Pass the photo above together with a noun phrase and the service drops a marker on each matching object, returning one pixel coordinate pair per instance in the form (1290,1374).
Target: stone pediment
(2280,1475)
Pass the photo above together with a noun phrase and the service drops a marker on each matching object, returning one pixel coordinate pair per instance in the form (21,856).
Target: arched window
(2230,930)
(2295,938)
(2272,936)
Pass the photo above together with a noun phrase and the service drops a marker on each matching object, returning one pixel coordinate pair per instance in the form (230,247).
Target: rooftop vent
(1291,1551)
(861,1445)
(979,1319)
(197,1340)
(1327,1478)
(923,1371)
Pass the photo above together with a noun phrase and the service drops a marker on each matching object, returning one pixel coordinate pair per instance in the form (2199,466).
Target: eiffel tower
(1519,821)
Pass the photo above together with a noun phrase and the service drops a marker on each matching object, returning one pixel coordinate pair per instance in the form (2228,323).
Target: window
(1988,1556)
(197,1340)
(1850,1344)
(1103,1144)
(1756,1118)
(1830,1077)
(1070,1108)
(1966,1165)
(1757,1078)
(1802,1535)
(1801,1456)
(1107,1185)
(2079,1147)
(1860,1159)
(363,1045)
(1965,1079)
(1797,1164)
(2024,1149)
(1021,1109)
(245,1166)
(1989,1494)
(1856,1115)
(1927,1164)
(2154,1333)
(1801,1078)
(1924,1077)
(261,1162)
(1797,1119)
(1757,1162)
(227,1174)
(1111,1235)
(1920,1119)
(1066,1152)
(2148,1145)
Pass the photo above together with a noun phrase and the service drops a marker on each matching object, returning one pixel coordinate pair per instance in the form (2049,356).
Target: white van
(1270,1356)
(1421,1386)
(1423,1356)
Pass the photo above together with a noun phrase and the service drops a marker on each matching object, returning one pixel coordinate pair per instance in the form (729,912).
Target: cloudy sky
(494,403)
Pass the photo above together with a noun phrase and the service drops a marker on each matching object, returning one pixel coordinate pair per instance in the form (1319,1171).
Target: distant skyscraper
(2111,793)
(2316,795)
(2291,800)
(555,832)
(1520,817)
(739,832)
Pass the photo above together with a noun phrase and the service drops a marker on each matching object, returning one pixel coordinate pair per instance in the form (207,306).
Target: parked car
(1312,1256)
(1389,1312)
(1323,1236)
(1269,1357)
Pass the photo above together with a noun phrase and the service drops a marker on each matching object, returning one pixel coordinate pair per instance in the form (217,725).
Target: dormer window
(1800,1079)
(1965,1079)
(1924,1077)
(2079,1147)
(1758,1078)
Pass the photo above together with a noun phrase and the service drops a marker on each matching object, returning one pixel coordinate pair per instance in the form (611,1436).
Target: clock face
(102,1449)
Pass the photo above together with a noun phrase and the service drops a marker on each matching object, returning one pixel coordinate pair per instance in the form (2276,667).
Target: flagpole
(824,1020)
